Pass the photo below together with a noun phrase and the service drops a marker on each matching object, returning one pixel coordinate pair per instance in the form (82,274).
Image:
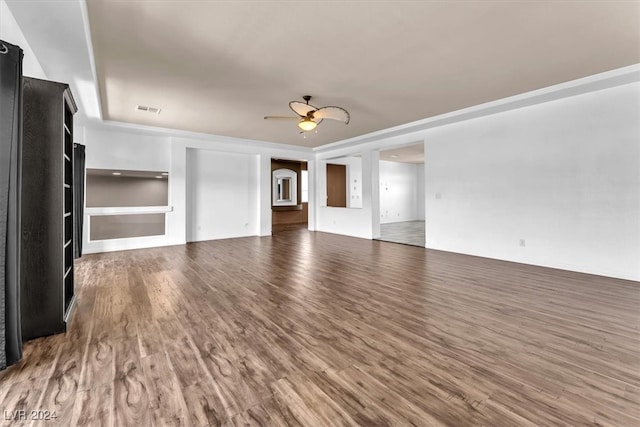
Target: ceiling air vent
(153,110)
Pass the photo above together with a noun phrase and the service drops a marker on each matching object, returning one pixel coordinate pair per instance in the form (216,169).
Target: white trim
(128,243)
(408,132)
(135,210)
(608,79)
(92,61)
(207,137)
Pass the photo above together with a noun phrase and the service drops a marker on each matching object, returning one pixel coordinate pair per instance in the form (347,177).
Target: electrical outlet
(523,243)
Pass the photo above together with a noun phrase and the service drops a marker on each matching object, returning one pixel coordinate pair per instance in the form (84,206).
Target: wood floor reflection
(314,329)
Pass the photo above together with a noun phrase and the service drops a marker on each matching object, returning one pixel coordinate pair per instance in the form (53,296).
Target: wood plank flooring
(315,329)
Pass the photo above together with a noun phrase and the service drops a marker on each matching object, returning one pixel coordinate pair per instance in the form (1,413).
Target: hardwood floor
(314,329)
(278,228)
(405,232)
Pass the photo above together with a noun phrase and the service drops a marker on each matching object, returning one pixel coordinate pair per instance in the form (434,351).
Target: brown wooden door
(336,185)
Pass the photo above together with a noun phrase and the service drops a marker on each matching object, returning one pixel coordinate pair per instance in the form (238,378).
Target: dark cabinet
(47,287)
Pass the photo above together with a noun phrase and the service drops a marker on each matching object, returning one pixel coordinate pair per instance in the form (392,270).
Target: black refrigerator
(10,172)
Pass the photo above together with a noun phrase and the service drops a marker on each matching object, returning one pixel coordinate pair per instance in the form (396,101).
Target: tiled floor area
(408,233)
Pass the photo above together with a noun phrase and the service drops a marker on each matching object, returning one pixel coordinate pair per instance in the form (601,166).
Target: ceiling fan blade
(333,113)
(301,108)
(281,118)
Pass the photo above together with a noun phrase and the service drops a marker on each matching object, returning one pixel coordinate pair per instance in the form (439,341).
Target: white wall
(113,149)
(222,194)
(421,192)
(11,32)
(133,147)
(178,228)
(109,148)
(558,168)
(401,192)
(358,222)
(564,176)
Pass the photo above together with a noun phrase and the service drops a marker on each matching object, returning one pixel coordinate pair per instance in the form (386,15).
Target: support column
(375,194)
(311,174)
(264,194)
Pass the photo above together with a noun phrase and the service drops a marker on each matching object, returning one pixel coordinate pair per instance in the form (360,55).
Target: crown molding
(412,131)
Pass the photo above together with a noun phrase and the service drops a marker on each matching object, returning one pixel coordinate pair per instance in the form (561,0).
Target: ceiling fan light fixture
(306,124)
(309,117)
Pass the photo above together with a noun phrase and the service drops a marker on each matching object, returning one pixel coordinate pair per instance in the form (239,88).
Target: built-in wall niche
(126,203)
(107,227)
(285,187)
(344,182)
(126,188)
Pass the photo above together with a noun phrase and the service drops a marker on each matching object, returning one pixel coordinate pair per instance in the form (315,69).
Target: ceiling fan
(309,116)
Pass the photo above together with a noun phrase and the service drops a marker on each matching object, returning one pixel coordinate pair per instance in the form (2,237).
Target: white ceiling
(407,154)
(218,67)
(55,30)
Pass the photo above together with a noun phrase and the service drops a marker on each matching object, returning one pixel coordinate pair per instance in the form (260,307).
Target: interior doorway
(289,195)
(402,195)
